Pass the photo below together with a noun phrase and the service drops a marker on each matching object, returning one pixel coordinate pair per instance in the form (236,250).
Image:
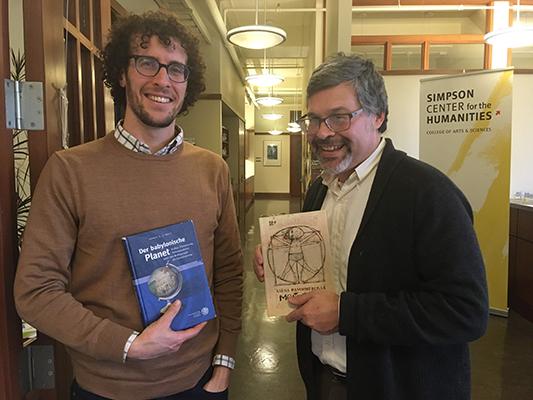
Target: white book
(296,257)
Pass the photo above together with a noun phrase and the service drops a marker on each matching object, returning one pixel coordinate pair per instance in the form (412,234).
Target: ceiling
(294,59)
(291,58)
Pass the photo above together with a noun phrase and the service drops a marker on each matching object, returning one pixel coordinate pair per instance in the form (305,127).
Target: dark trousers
(331,384)
(195,393)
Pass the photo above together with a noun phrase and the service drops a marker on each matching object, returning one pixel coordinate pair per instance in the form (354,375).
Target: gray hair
(366,81)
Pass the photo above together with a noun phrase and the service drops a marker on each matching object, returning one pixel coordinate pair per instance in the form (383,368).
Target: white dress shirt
(344,203)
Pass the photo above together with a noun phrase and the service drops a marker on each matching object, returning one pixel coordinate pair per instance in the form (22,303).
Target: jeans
(195,393)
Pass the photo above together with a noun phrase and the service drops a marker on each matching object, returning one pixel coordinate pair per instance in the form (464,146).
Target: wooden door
(62,47)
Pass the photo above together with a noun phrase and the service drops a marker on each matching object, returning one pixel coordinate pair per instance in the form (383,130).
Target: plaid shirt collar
(132,143)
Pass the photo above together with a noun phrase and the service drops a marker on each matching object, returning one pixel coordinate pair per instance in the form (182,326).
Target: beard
(343,165)
(144,116)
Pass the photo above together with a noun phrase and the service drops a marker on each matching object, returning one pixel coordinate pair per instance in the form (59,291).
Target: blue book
(167,265)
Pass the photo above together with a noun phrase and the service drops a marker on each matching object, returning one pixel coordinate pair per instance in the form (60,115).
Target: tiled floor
(502,361)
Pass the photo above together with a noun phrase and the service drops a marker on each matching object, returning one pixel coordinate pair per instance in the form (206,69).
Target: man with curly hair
(73,280)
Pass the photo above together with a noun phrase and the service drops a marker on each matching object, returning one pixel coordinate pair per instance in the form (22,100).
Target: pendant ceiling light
(272,116)
(269,101)
(511,36)
(275,132)
(266,78)
(256,36)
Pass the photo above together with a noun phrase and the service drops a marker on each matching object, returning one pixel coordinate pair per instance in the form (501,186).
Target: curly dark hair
(117,51)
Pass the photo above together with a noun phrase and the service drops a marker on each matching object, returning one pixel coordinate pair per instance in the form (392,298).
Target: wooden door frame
(10,325)
(44,32)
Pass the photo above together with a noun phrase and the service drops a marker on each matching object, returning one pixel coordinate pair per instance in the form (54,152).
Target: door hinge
(24,105)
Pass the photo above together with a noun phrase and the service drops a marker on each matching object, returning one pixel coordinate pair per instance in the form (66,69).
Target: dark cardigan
(416,289)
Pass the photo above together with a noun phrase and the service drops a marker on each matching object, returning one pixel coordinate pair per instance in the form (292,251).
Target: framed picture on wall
(271,153)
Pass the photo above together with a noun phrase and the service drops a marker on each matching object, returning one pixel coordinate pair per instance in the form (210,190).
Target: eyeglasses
(335,122)
(150,66)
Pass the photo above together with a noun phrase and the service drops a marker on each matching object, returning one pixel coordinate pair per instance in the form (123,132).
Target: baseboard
(499,312)
(273,196)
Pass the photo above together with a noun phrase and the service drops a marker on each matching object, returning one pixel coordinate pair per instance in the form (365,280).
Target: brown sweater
(73,282)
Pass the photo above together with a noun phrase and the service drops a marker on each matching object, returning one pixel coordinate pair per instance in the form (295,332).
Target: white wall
(403,127)
(522,138)
(272,179)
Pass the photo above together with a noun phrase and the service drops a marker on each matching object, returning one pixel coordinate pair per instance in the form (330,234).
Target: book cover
(167,265)
(295,257)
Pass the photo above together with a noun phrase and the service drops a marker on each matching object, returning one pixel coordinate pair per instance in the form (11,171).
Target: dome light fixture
(257,36)
(511,36)
(275,132)
(264,79)
(272,116)
(269,101)
(514,36)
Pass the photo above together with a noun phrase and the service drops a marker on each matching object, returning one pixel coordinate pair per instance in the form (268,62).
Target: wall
(272,179)
(231,87)
(203,124)
(522,137)
(222,78)
(210,51)
(139,6)
(403,126)
(416,23)
(249,162)
(232,123)
(16,31)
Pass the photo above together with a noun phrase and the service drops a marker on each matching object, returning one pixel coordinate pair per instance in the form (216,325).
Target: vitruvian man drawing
(296,255)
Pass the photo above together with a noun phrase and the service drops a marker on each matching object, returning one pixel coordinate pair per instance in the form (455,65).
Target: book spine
(144,310)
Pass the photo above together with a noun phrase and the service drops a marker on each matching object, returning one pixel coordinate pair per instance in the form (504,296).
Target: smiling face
(153,103)
(339,153)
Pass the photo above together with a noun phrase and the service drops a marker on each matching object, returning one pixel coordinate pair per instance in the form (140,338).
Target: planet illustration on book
(165,283)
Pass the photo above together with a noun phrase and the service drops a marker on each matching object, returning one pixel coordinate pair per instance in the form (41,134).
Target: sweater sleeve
(227,273)
(43,274)
(436,289)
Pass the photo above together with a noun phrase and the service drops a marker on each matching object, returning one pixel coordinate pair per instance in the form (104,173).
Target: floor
(502,360)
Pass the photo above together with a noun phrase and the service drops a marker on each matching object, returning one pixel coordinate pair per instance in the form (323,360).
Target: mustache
(329,141)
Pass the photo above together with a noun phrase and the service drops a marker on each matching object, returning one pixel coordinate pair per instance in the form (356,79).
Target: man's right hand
(258,263)
(159,339)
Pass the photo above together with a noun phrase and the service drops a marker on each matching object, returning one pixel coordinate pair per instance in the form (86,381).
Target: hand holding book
(158,339)
(319,310)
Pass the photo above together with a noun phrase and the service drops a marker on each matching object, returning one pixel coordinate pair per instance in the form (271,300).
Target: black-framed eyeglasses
(150,66)
(335,122)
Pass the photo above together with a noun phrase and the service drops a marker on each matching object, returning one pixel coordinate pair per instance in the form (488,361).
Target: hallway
(266,367)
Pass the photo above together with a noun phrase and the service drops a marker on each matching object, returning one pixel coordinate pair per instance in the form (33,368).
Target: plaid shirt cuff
(225,361)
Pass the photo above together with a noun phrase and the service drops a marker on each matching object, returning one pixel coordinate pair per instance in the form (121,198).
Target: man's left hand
(319,310)
(219,379)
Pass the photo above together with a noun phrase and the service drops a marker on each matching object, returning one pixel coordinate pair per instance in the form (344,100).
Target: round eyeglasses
(150,66)
(335,122)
